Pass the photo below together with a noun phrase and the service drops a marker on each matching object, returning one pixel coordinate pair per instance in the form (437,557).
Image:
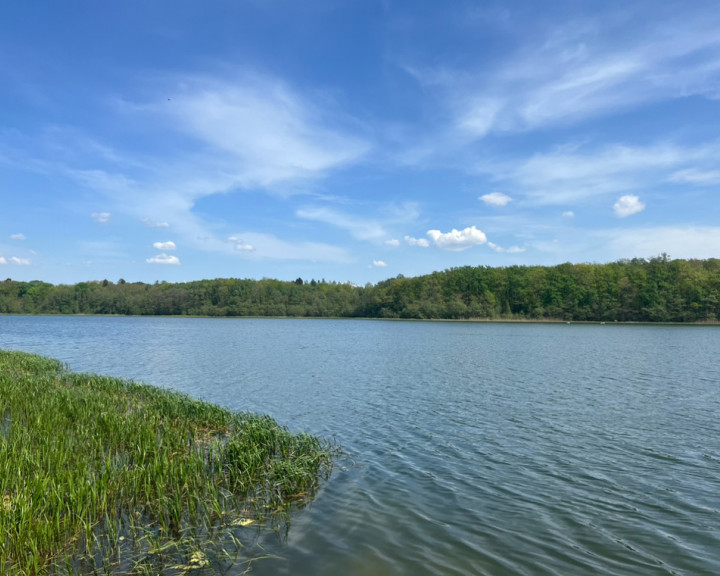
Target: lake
(470,448)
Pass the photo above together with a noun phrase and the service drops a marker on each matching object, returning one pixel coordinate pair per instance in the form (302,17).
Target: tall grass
(104,476)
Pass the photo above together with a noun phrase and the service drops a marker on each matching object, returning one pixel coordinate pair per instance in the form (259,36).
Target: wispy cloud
(163,259)
(17,236)
(154,223)
(358,227)
(240,244)
(501,250)
(677,241)
(476,116)
(696,176)
(247,131)
(261,130)
(263,245)
(20,261)
(569,176)
(581,68)
(379,264)
(422,242)
(97,179)
(101,217)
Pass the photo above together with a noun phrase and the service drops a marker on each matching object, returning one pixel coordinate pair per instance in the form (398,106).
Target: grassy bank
(101,475)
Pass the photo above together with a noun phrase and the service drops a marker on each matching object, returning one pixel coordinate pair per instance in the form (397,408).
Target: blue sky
(353,140)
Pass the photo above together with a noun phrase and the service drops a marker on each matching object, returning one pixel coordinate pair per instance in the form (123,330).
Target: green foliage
(638,290)
(97,472)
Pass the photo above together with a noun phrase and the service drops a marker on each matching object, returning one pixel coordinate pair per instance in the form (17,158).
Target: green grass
(104,476)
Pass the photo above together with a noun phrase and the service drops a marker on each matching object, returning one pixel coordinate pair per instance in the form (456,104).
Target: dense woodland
(637,290)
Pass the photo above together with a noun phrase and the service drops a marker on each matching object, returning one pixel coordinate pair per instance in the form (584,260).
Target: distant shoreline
(455,320)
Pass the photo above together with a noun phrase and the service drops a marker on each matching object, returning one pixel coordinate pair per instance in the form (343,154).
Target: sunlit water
(495,449)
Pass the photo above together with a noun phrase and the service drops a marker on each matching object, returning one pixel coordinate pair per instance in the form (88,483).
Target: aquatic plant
(103,475)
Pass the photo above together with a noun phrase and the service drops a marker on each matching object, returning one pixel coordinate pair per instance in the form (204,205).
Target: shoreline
(370,318)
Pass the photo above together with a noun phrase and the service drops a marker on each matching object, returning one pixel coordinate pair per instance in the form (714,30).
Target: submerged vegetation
(104,476)
(637,290)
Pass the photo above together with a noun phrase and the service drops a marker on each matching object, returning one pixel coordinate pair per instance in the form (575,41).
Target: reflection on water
(469,448)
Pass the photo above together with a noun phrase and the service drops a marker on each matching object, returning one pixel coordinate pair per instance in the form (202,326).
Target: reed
(105,476)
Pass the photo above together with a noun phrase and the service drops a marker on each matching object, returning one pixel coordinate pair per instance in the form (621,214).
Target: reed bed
(105,476)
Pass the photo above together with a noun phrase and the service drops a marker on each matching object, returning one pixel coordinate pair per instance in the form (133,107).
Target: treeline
(638,290)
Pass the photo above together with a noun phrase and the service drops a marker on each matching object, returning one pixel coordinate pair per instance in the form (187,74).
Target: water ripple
(469,448)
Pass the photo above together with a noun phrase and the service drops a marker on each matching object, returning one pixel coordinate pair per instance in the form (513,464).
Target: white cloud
(394,242)
(101,217)
(20,261)
(163,259)
(154,224)
(3,260)
(627,206)
(458,240)
(496,199)
(165,246)
(379,264)
(568,214)
(422,242)
(17,236)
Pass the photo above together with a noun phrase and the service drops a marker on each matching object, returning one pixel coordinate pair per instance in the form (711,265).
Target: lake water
(489,449)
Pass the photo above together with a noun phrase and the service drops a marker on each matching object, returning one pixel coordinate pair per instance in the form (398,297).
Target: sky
(353,140)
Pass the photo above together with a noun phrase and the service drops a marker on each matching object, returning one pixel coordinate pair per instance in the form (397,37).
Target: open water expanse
(470,448)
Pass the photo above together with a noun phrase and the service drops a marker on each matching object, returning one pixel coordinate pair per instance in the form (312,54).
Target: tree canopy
(637,290)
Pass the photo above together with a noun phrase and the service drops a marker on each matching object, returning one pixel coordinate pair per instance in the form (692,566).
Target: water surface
(491,449)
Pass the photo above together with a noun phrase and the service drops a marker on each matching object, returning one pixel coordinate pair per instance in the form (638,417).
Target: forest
(658,289)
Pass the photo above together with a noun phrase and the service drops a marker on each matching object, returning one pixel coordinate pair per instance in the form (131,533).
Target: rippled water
(494,449)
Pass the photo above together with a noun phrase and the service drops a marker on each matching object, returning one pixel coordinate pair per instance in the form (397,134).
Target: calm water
(495,449)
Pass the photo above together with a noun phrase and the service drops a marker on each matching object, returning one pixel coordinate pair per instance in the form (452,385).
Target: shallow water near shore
(493,449)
